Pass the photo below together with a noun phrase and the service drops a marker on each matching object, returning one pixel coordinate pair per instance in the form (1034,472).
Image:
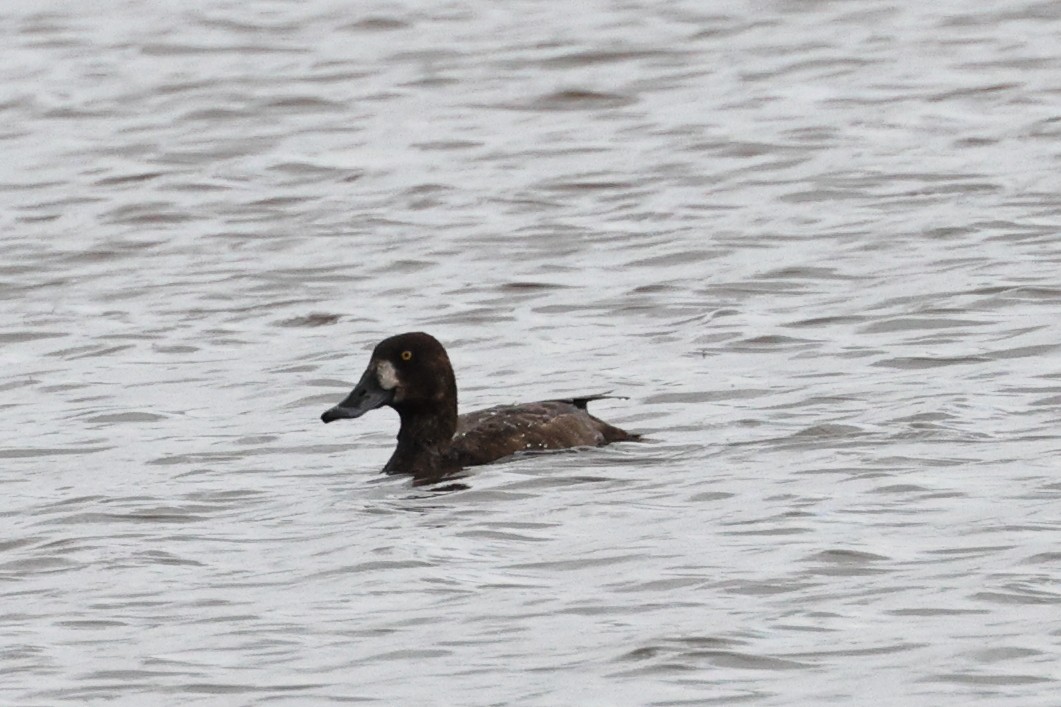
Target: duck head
(409,372)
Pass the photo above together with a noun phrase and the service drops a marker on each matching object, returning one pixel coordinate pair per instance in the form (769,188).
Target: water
(816,244)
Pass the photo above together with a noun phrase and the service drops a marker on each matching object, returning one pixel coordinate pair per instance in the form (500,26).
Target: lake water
(816,244)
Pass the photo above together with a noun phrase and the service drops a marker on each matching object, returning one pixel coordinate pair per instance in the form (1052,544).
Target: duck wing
(486,435)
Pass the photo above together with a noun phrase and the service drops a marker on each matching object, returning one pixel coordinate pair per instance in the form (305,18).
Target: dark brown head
(409,372)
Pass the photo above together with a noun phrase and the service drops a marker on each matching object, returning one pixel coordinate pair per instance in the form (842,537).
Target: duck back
(486,435)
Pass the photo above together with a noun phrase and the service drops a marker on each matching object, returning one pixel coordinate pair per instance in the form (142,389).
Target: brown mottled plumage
(412,374)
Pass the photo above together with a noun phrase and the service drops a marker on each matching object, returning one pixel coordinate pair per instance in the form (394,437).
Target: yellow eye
(407,355)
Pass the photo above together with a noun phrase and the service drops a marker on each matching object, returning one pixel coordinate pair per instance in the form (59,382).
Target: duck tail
(582,401)
(611,432)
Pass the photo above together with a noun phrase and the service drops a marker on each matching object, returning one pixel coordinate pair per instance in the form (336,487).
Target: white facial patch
(386,375)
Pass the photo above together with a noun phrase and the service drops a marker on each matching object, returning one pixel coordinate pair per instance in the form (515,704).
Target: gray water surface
(816,244)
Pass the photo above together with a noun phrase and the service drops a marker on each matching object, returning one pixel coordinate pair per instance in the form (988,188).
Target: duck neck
(423,440)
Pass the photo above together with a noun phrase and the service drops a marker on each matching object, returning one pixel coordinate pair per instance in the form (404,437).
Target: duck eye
(407,355)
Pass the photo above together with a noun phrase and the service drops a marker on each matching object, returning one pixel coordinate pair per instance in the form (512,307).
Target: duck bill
(366,395)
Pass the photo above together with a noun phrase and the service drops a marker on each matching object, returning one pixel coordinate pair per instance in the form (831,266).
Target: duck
(412,374)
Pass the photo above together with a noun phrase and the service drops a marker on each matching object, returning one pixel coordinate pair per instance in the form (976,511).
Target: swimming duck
(412,374)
